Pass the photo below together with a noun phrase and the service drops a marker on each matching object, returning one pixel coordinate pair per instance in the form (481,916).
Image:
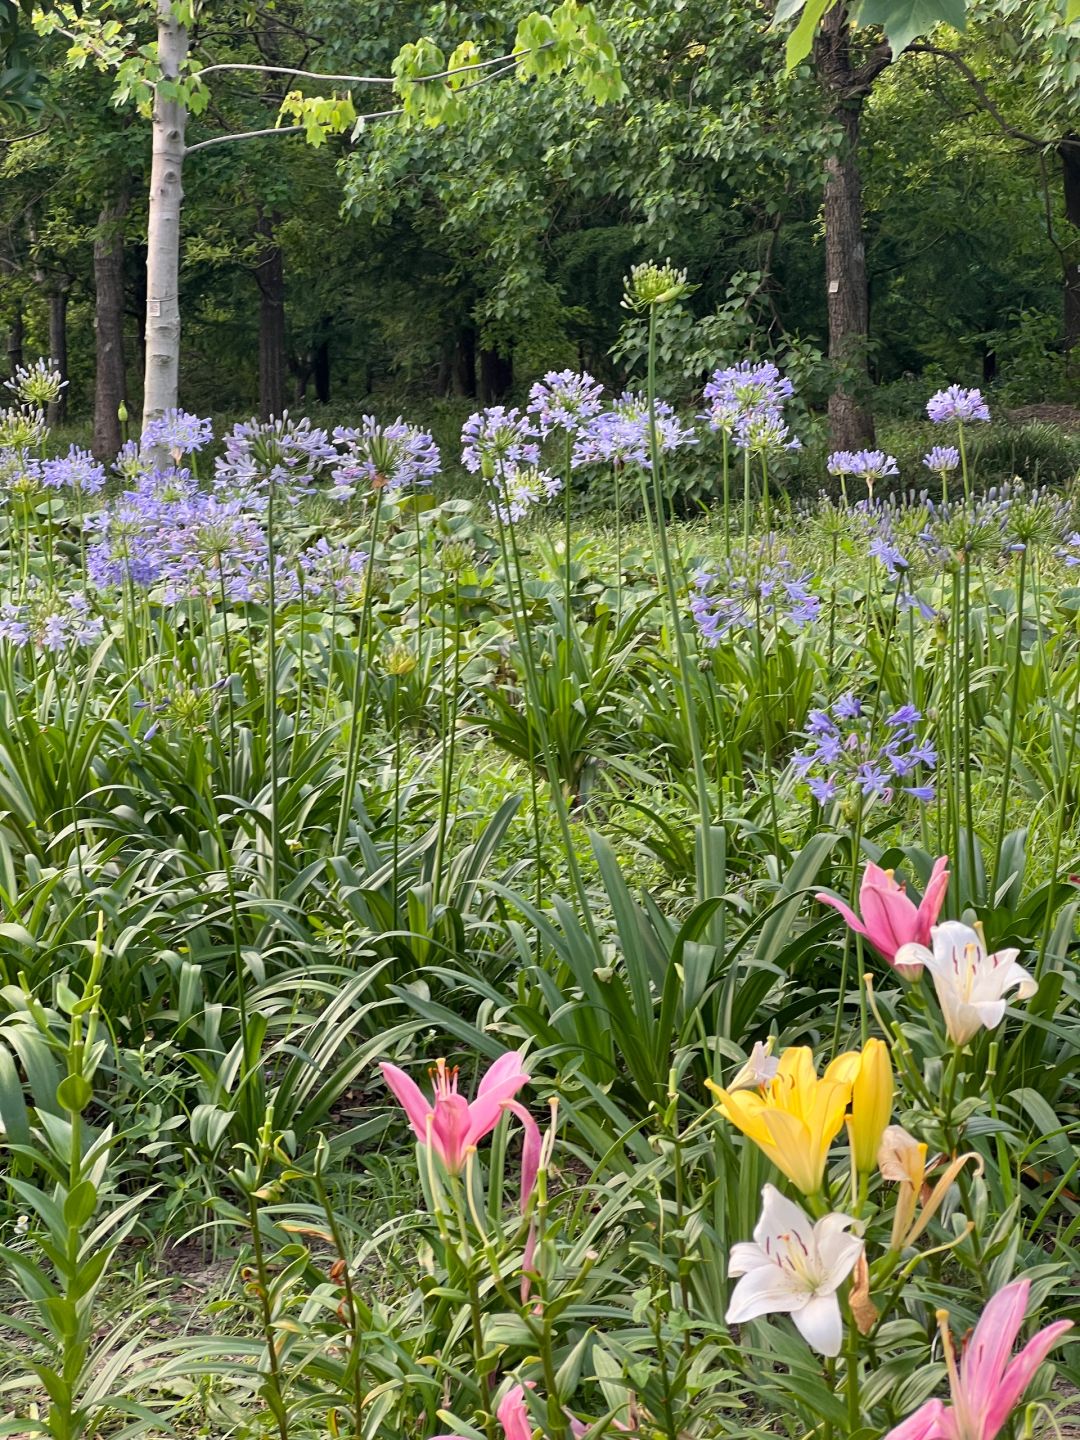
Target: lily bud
(871,1104)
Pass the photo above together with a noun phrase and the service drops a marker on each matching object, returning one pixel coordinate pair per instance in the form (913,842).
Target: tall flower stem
(1014,701)
(963,461)
(726,463)
(271,682)
(568,540)
(711,882)
(360,683)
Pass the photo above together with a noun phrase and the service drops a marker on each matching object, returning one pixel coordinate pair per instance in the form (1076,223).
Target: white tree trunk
(163,228)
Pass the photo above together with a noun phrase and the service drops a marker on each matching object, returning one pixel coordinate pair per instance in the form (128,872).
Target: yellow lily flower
(871,1104)
(795,1117)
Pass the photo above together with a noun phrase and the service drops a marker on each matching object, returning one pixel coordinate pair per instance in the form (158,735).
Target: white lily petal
(839,1251)
(767,1291)
(913,954)
(781,1217)
(820,1325)
(746,1256)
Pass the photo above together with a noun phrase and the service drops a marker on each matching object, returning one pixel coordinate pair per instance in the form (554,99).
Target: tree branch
(512,60)
(984,99)
(242,135)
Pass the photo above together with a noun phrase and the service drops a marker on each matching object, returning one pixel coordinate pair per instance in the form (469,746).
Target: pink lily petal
(513,1415)
(530,1150)
(509,1063)
(1019,1375)
(987,1352)
(929,1422)
(451,1131)
(845,910)
(933,898)
(410,1097)
(890,918)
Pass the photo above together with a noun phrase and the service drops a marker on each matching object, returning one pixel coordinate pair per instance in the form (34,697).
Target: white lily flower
(760,1068)
(794,1267)
(971,985)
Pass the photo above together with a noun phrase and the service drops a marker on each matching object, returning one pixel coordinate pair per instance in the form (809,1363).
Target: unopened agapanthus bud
(651,284)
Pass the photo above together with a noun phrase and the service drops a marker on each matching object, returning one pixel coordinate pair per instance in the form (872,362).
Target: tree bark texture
(110,374)
(846,85)
(162,374)
(1070,174)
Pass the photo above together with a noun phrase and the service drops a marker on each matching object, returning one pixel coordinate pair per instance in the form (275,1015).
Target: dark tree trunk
(58,346)
(321,371)
(846,85)
(1070,174)
(463,365)
(496,377)
(270,278)
(110,376)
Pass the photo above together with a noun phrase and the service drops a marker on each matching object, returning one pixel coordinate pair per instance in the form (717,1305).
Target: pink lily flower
(987,1384)
(452,1125)
(889,918)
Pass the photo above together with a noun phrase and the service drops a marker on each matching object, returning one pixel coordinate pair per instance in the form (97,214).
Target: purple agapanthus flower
(764,589)
(956,403)
(564,400)
(178,432)
(1070,553)
(517,491)
(620,436)
(763,432)
(847,751)
(739,390)
(332,573)
(868,465)
(398,456)
(289,453)
(77,470)
(498,438)
(50,621)
(942,459)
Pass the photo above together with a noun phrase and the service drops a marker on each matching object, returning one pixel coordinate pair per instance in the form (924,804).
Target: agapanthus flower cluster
(517,491)
(179,432)
(22,429)
(333,574)
(742,389)
(77,471)
(620,436)
(746,403)
(958,404)
(37,385)
(50,621)
(212,549)
(847,751)
(652,284)
(762,589)
(868,465)
(20,474)
(498,439)
(564,400)
(289,453)
(942,460)
(393,457)
(1070,551)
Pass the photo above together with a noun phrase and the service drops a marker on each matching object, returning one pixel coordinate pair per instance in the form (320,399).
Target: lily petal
(820,1325)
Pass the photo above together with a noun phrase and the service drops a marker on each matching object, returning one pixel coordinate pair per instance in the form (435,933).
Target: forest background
(400,266)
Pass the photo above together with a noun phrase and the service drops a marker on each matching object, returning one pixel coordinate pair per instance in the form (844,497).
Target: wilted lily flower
(795,1267)
(971,984)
